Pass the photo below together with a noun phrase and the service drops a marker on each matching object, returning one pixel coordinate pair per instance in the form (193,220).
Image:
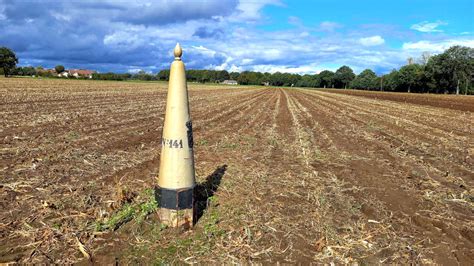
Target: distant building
(266,83)
(83,73)
(63,74)
(229,82)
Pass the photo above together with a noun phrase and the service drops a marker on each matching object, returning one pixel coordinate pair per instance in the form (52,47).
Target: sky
(297,36)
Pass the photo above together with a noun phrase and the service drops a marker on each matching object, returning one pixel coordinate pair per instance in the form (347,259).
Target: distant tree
(281,79)
(390,81)
(244,78)
(24,71)
(311,81)
(250,78)
(366,80)
(326,78)
(142,75)
(461,61)
(164,74)
(223,75)
(458,63)
(204,77)
(59,69)
(343,76)
(234,75)
(411,77)
(111,76)
(29,71)
(266,77)
(8,60)
(424,58)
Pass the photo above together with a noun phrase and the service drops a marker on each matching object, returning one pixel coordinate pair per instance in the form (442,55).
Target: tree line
(449,72)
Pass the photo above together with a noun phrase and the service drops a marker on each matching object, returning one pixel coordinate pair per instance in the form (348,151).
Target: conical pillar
(176,179)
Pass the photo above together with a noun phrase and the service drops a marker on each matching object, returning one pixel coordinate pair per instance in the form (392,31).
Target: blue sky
(299,36)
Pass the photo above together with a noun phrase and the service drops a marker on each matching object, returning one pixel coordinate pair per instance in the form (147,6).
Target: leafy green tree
(111,76)
(326,78)
(284,79)
(8,60)
(164,74)
(244,78)
(410,77)
(451,70)
(29,71)
(390,81)
(311,81)
(142,75)
(234,75)
(223,75)
(343,76)
(59,69)
(366,80)
(24,71)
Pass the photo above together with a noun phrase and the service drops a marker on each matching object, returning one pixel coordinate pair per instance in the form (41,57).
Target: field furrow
(290,175)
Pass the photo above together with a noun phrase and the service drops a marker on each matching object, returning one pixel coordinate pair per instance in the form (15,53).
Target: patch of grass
(169,253)
(202,142)
(73,135)
(138,211)
(248,140)
(198,243)
(231,146)
(272,141)
(372,125)
(57,226)
(211,227)
(319,155)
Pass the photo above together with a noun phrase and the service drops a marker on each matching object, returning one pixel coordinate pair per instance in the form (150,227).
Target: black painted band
(175,199)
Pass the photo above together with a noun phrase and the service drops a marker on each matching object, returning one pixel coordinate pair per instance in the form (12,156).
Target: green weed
(138,211)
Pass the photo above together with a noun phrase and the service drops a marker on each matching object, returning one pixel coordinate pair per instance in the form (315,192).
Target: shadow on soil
(203,191)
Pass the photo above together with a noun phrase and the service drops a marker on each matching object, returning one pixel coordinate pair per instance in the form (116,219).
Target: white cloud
(328,26)
(426,26)
(2,13)
(304,69)
(123,40)
(60,17)
(235,68)
(251,10)
(202,50)
(134,70)
(436,46)
(372,41)
(295,21)
(101,35)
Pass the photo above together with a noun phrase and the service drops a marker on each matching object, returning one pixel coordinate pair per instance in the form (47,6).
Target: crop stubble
(309,175)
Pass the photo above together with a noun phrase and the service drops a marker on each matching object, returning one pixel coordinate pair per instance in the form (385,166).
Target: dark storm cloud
(108,34)
(158,13)
(205,32)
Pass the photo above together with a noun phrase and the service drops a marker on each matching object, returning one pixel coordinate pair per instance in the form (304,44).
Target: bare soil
(456,102)
(291,175)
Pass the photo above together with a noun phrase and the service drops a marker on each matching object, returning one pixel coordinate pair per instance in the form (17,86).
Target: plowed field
(290,175)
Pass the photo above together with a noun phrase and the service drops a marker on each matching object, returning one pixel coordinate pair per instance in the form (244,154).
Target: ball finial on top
(178,52)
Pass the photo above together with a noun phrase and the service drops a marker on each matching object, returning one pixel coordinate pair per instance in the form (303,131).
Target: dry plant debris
(286,175)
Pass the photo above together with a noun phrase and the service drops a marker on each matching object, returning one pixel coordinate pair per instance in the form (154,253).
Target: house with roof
(229,82)
(81,73)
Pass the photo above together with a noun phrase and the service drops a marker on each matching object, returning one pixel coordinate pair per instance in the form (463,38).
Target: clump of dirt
(284,176)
